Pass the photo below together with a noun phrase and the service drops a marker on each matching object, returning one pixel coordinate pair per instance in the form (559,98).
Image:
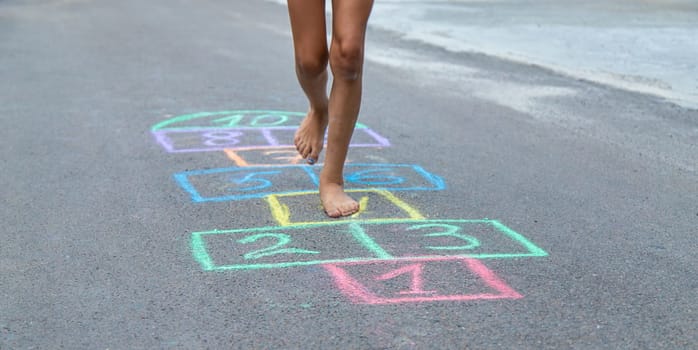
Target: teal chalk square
(355,241)
(279,247)
(479,239)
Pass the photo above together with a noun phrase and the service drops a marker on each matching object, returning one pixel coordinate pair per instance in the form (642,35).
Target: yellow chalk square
(376,205)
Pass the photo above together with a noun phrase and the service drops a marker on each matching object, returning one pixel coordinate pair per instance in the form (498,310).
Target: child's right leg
(311,53)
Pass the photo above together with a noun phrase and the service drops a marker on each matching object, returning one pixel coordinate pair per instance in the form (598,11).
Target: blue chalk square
(239,183)
(391,177)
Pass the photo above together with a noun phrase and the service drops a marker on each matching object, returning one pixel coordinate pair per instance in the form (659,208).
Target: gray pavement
(647,46)
(524,209)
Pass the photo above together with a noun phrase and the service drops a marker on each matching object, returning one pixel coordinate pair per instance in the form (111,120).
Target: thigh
(308,27)
(349,20)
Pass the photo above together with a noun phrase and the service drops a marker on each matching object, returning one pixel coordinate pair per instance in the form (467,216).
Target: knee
(311,66)
(346,59)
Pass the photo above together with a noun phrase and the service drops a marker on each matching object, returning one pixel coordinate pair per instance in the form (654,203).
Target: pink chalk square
(418,280)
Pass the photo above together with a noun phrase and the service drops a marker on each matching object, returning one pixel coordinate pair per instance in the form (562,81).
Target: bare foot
(310,135)
(335,201)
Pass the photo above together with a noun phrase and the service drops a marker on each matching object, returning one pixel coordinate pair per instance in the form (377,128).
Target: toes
(344,209)
(349,209)
(303,149)
(314,154)
(334,213)
(302,146)
(312,158)
(297,140)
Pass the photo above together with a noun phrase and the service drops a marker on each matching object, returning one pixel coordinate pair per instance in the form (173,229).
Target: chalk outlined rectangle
(356,229)
(465,238)
(270,157)
(283,156)
(352,232)
(361,293)
(383,175)
(282,212)
(195,140)
(251,182)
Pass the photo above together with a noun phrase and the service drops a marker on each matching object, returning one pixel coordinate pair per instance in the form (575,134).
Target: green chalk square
(281,246)
(478,239)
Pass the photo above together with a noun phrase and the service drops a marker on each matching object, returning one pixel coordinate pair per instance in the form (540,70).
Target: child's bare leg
(346,60)
(310,47)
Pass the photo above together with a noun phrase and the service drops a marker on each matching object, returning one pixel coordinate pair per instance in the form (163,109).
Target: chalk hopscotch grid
(266,122)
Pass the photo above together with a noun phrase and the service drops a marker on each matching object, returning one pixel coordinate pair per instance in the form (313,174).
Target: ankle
(318,111)
(326,179)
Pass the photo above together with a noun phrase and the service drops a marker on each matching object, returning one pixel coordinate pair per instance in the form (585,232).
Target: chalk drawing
(261,248)
(231,184)
(240,183)
(221,139)
(316,243)
(230,119)
(450,231)
(481,239)
(393,177)
(272,157)
(269,157)
(281,240)
(363,207)
(415,270)
(371,291)
(234,119)
(386,253)
(388,207)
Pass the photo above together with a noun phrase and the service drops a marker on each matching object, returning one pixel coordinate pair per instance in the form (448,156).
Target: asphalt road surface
(148,202)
